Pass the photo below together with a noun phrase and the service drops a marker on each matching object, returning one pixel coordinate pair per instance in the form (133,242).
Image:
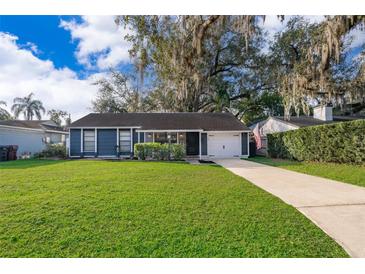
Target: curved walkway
(337,208)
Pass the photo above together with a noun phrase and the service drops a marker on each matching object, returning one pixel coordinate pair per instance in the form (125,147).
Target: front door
(192,143)
(107,142)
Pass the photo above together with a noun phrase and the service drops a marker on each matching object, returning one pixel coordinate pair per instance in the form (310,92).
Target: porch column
(131,140)
(248,144)
(241,143)
(82,141)
(200,145)
(96,141)
(118,148)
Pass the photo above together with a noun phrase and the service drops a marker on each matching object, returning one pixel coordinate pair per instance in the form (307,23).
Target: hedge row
(157,151)
(339,142)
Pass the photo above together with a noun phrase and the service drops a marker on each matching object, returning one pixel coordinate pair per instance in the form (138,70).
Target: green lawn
(352,174)
(146,209)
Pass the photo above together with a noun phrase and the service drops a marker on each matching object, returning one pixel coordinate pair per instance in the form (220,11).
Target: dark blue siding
(75,142)
(141,137)
(204,144)
(244,144)
(107,142)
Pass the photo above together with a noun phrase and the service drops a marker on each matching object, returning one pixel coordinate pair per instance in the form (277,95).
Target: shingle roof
(36,124)
(307,121)
(163,121)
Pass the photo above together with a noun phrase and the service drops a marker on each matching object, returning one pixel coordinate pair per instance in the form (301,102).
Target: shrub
(339,142)
(140,151)
(157,151)
(177,151)
(52,150)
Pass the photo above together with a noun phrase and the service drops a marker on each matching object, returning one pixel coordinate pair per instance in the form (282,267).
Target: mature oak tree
(217,63)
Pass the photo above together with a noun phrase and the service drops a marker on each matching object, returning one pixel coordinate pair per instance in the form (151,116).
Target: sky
(58,58)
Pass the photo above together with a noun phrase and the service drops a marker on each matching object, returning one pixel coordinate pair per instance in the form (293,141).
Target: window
(160,137)
(148,137)
(173,137)
(89,140)
(164,137)
(182,137)
(124,141)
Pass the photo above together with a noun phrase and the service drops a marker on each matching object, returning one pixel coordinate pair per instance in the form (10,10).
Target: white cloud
(21,72)
(357,38)
(101,42)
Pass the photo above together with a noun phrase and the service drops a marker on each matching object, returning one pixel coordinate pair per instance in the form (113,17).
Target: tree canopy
(4,114)
(219,63)
(28,106)
(59,116)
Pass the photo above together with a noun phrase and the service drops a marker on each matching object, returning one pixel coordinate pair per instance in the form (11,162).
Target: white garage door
(224,145)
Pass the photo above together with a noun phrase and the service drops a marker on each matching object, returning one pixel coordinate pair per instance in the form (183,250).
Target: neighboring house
(30,136)
(203,134)
(321,115)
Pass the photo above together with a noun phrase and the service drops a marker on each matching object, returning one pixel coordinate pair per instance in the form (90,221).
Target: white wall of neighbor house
(323,113)
(274,125)
(55,138)
(29,141)
(26,140)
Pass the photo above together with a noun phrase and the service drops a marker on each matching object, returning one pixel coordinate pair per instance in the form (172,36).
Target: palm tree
(28,106)
(4,114)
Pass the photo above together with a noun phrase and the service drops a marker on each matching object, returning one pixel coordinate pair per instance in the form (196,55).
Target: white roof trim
(34,129)
(111,127)
(169,130)
(227,131)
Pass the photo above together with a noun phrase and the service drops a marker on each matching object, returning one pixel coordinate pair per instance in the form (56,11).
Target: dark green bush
(338,142)
(51,151)
(157,151)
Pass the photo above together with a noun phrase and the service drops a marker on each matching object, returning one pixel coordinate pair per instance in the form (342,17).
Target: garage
(224,145)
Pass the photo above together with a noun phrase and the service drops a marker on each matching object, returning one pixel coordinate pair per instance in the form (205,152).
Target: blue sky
(59,57)
(52,41)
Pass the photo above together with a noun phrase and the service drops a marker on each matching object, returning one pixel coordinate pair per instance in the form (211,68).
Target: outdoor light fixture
(168,136)
(149,135)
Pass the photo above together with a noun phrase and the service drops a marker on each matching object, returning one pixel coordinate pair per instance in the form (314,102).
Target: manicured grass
(352,174)
(146,209)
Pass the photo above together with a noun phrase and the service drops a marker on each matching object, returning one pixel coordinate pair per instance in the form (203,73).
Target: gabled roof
(307,121)
(46,125)
(164,121)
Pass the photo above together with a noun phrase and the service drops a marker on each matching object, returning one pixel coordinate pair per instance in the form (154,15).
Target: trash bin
(12,150)
(3,153)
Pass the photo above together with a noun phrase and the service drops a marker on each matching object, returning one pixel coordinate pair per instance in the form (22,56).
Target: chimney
(323,113)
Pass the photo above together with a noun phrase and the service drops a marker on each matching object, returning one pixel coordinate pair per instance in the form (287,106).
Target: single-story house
(31,136)
(321,115)
(202,134)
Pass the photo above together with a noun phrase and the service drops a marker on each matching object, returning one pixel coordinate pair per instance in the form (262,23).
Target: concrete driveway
(337,208)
